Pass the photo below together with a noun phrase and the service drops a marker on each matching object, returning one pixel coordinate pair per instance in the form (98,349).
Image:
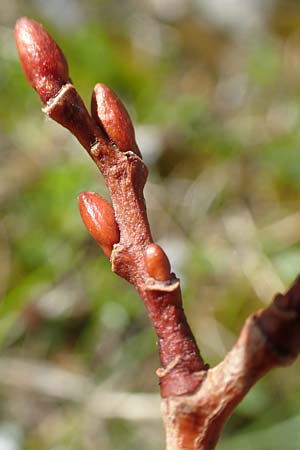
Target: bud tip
(43,62)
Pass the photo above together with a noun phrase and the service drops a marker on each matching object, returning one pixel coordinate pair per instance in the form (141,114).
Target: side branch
(270,338)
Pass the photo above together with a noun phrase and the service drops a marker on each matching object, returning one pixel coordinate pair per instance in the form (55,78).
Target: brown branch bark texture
(196,400)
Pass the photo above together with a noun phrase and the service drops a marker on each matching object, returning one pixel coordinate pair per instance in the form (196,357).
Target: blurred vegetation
(213,88)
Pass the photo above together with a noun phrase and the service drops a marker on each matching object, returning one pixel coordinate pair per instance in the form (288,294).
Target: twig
(196,401)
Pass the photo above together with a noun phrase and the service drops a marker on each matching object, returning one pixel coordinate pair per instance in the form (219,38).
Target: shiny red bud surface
(98,217)
(110,113)
(157,263)
(43,62)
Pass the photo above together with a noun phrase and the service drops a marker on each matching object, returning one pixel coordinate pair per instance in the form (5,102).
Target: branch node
(132,155)
(68,109)
(95,150)
(47,108)
(162,372)
(122,263)
(171,285)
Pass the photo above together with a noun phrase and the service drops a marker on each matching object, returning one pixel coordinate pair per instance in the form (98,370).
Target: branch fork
(196,400)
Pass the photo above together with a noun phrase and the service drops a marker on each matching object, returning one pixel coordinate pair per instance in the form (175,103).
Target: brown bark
(196,401)
(270,338)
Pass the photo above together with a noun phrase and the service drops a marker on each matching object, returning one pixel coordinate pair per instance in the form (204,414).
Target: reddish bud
(110,113)
(43,62)
(157,263)
(98,217)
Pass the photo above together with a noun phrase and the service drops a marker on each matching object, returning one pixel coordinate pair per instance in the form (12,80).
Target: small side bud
(110,113)
(98,217)
(157,263)
(43,62)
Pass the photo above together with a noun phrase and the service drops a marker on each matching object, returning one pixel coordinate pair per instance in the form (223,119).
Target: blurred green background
(213,87)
